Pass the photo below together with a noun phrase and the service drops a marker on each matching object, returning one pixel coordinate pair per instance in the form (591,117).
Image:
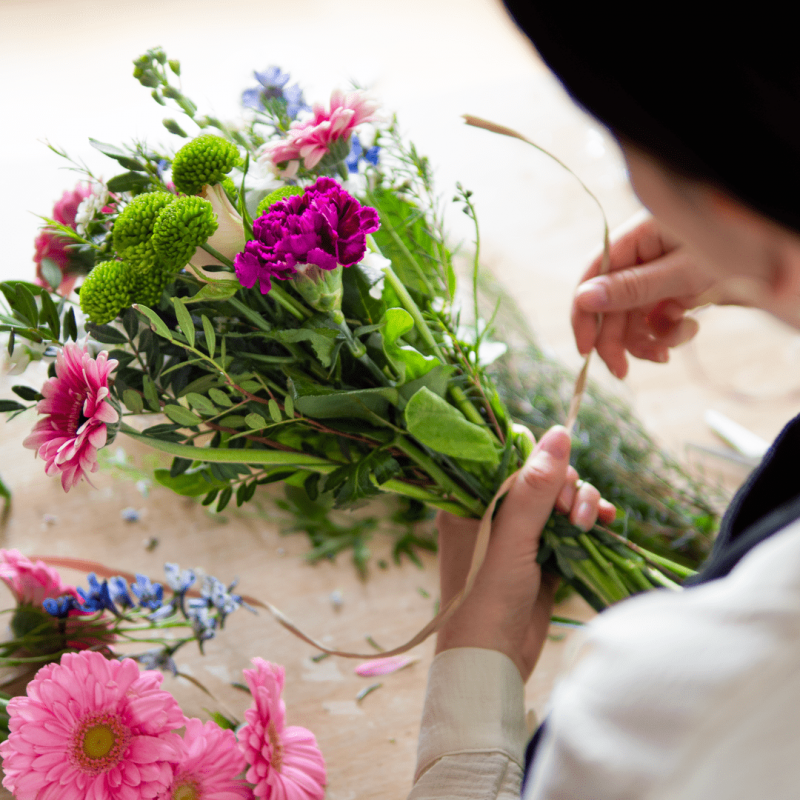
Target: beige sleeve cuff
(475,703)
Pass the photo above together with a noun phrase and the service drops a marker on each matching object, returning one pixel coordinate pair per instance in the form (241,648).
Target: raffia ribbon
(485,527)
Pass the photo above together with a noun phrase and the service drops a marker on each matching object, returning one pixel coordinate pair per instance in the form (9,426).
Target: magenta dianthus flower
(92,728)
(309,141)
(284,763)
(324,227)
(77,413)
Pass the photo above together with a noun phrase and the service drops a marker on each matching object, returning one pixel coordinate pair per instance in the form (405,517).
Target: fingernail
(556,442)
(592,295)
(584,517)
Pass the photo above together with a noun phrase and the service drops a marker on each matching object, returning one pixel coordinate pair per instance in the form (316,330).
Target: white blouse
(693,695)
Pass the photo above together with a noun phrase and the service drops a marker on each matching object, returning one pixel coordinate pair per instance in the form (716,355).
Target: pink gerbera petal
(92,752)
(284,763)
(78,410)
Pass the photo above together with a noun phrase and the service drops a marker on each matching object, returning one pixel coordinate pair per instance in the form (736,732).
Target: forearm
(473,730)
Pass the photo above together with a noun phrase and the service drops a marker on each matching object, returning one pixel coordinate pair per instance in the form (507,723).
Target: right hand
(652,281)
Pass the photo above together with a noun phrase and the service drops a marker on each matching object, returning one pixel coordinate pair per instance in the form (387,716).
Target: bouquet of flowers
(91,724)
(277,301)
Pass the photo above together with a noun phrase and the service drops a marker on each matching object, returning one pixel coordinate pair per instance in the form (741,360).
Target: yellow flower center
(98,741)
(188,790)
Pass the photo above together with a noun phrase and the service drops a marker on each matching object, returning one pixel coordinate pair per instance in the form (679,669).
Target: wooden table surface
(68,63)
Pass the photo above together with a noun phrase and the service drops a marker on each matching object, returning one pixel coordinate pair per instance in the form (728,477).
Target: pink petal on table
(383,666)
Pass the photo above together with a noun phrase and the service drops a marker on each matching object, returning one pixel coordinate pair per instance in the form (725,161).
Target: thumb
(530,500)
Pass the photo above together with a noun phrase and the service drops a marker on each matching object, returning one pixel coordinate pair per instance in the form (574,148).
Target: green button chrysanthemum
(133,229)
(203,162)
(106,291)
(181,228)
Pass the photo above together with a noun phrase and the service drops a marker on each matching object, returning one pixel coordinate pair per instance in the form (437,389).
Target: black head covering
(712,93)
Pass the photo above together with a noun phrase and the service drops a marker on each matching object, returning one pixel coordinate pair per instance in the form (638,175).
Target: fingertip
(556,442)
(592,295)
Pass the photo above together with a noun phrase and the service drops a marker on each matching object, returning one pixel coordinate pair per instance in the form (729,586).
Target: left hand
(511,601)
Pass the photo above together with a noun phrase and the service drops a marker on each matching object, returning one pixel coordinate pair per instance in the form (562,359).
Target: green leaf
(151,393)
(220,398)
(70,325)
(184,320)
(255,421)
(362,404)
(435,423)
(50,315)
(191,484)
(107,334)
(155,321)
(129,181)
(211,336)
(201,403)
(322,340)
(354,482)
(234,421)
(133,401)
(51,272)
(199,384)
(181,415)
(275,411)
(10,405)
(437,380)
(288,406)
(409,363)
(215,291)
(26,305)
(224,498)
(26,393)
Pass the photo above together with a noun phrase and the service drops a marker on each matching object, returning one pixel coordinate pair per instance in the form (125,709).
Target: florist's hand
(652,281)
(511,601)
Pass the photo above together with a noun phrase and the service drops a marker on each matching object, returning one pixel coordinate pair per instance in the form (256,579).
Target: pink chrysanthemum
(77,412)
(284,763)
(92,729)
(324,227)
(209,766)
(309,141)
(31,582)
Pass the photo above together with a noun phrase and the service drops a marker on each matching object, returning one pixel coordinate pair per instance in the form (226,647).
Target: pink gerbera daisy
(77,412)
(92,729)
(284,763)
(209,766)
(312,139)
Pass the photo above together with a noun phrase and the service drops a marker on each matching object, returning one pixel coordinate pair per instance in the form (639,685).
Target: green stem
(253,316)
(629,568)
(475,506)
(289,303)
(601,562)
(224,260)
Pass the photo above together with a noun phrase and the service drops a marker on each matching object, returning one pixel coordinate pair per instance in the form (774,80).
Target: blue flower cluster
(204,613)
(273,90)
(359,154)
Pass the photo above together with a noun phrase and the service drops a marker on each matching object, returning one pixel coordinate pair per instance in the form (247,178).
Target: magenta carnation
(92,728)
(31,582)
(284,763)
(312,139)
(325,227)
(54,245)
(209,766)
(77,413)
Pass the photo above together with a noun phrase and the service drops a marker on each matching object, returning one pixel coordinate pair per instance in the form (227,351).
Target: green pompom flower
(278,194)
(107,291)
(203,162)
(181,228)
(133,229)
